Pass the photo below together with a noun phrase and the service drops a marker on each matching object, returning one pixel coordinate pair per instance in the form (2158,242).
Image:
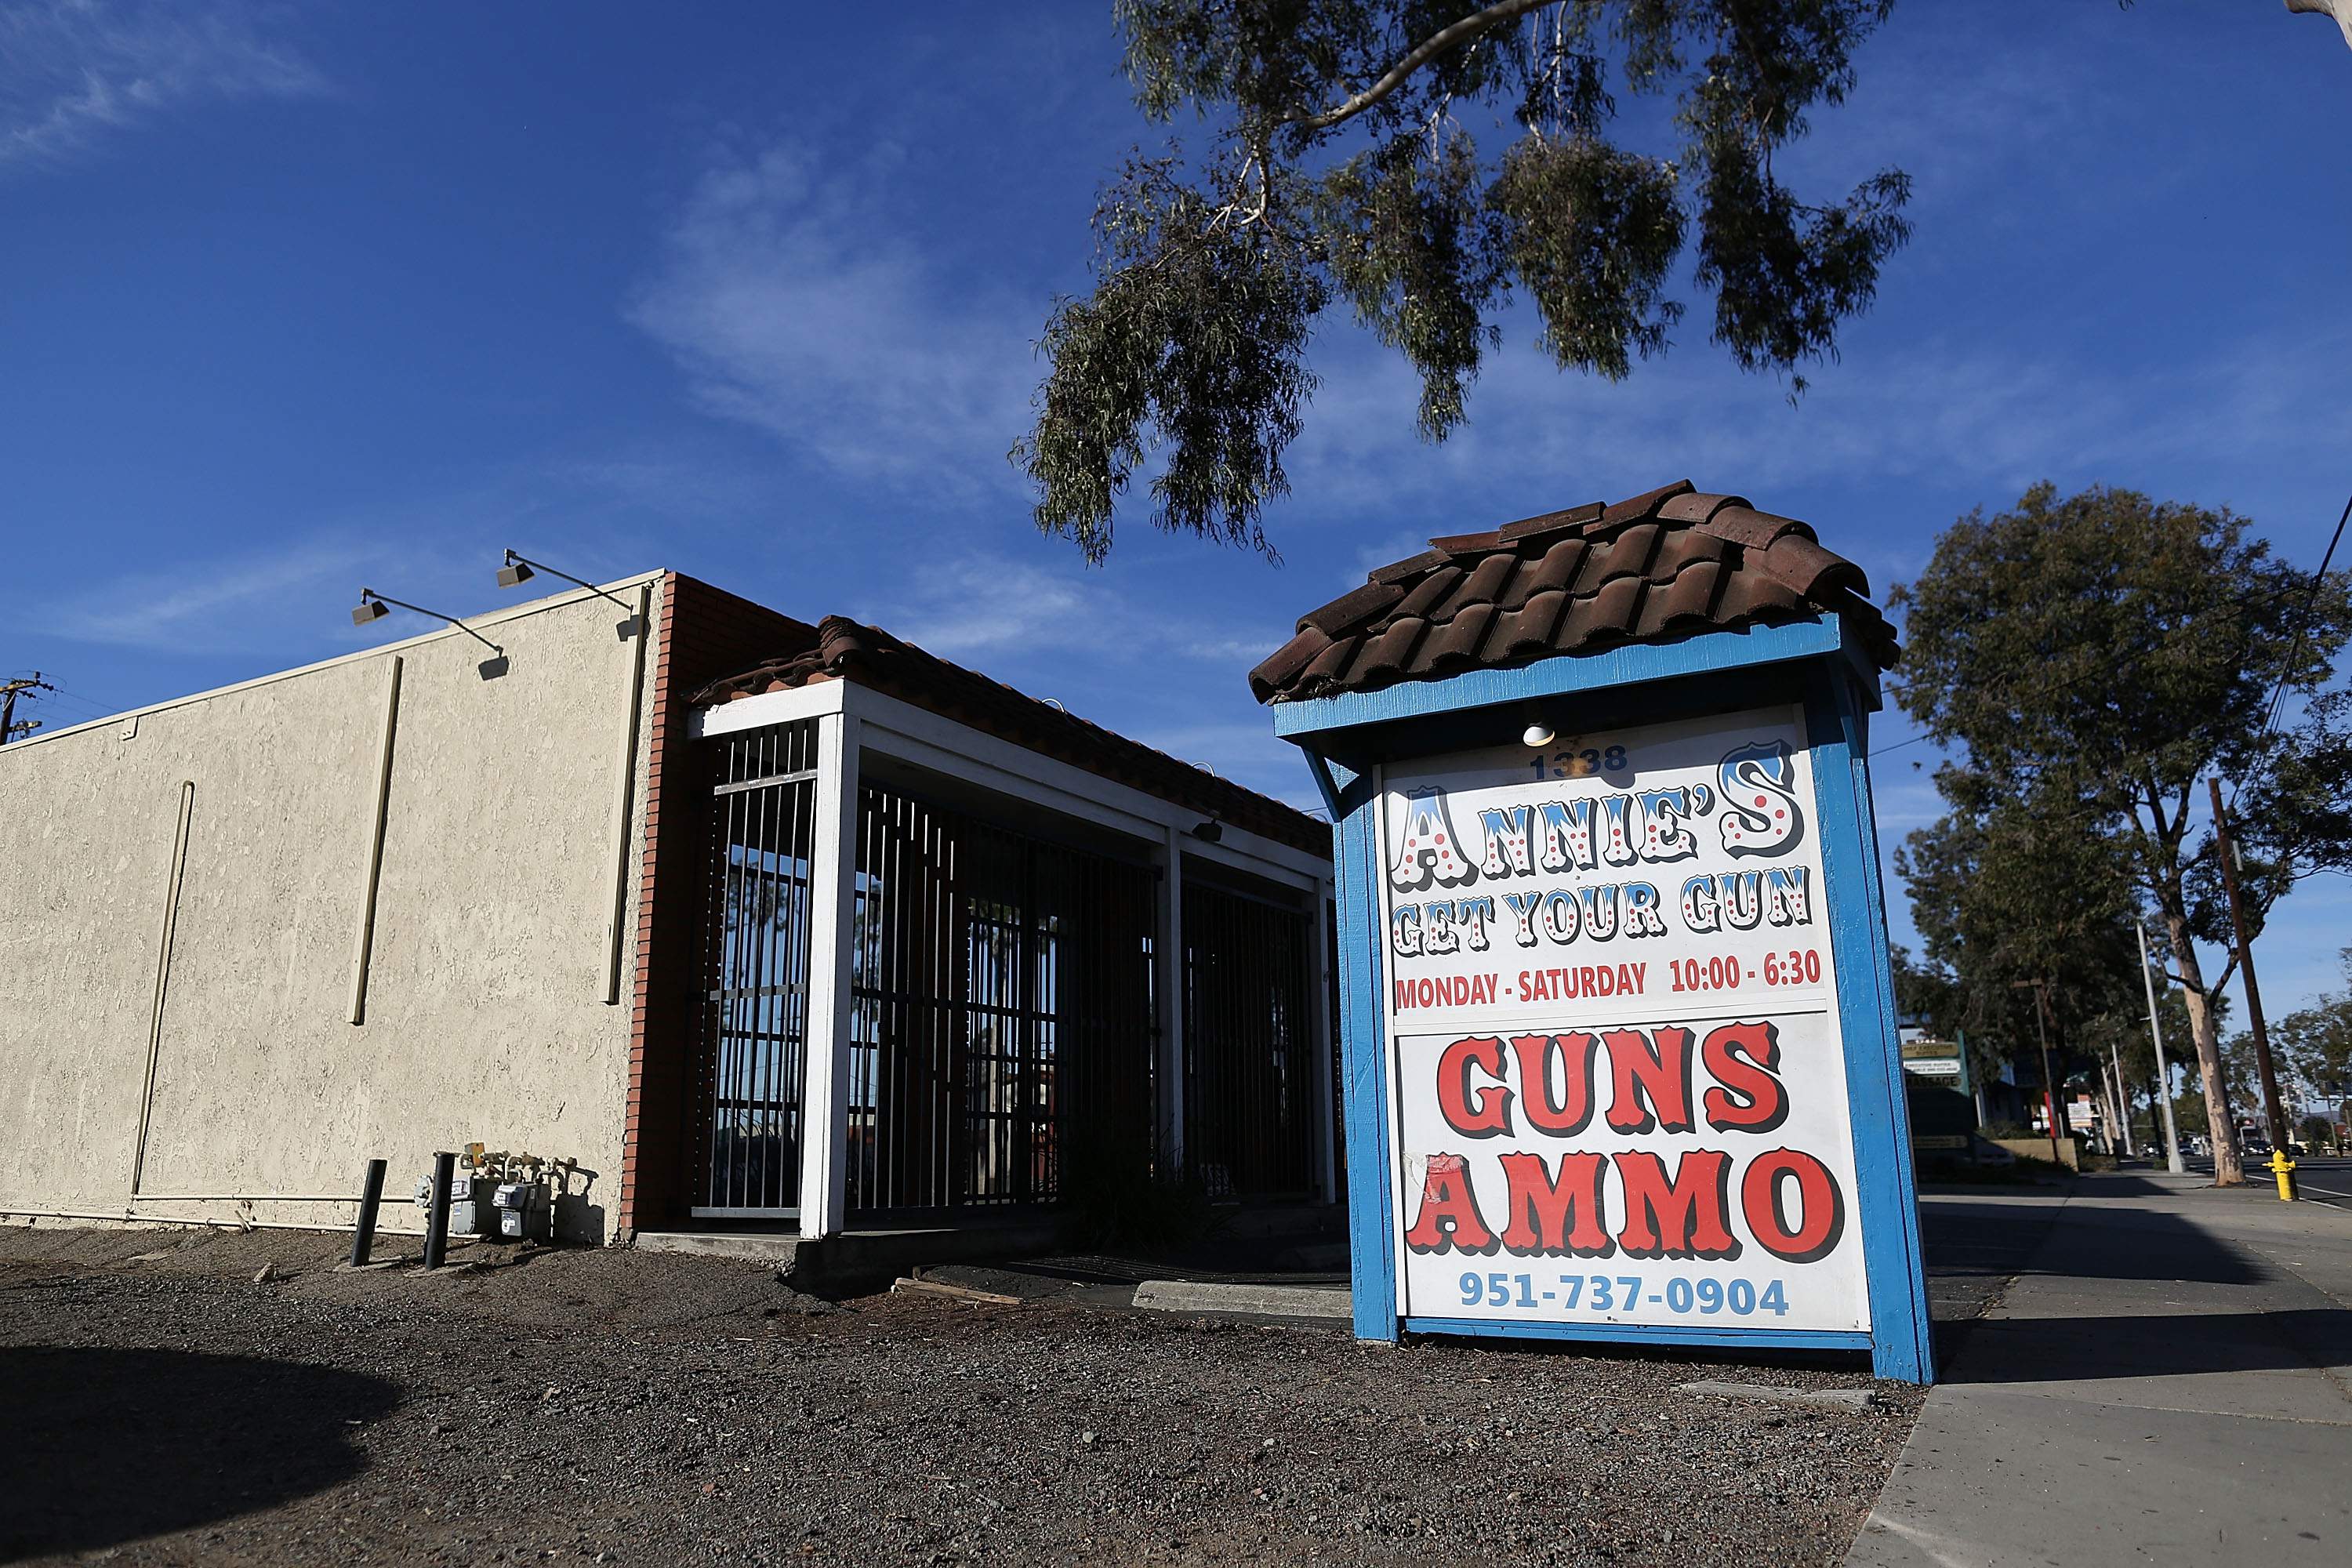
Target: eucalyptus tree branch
(1474,25)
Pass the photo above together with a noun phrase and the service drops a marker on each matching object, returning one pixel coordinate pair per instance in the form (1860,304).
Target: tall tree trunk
(2221,1126)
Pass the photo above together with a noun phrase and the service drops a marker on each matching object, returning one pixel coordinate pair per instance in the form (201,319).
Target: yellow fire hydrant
(2284,1169)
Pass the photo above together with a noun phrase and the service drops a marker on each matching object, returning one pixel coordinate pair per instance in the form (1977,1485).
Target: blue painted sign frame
(1817,663)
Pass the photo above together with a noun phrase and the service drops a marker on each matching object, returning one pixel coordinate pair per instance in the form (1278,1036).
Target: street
(2318,1178)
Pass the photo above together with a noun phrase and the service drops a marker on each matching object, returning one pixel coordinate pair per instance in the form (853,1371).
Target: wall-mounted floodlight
(374,606)
(1208,832)
(521,569)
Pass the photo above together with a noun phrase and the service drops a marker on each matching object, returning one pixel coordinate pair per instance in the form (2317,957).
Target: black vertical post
(370,1197)
(436,1217)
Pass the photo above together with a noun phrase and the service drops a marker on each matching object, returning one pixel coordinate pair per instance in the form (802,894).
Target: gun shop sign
(1619,1090)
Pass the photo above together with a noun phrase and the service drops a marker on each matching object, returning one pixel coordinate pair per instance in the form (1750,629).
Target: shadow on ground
(99,1447)
(2065,1349)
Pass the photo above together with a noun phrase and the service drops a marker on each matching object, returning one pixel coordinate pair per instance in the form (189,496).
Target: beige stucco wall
(486,1018)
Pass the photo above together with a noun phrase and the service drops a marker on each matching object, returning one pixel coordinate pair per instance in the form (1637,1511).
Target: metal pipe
(2163,1072)
(163,978)
(370,1197)
(437,1221)
(248,1198)
(132,1217)
(363,941)
(624,799)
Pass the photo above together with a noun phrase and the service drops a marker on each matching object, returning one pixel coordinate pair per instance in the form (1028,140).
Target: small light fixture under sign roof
(1536,734)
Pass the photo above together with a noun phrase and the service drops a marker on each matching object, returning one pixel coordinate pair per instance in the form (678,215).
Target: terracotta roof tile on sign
(1651,568)
(873,657)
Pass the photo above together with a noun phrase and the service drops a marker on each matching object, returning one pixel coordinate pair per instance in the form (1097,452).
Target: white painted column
(832,881)
(1319,1020)
(1172,1005)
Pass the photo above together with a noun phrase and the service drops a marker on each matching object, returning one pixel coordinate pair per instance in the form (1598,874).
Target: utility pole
(2041,989)
(2122,1096)
(9,729)
(2227,846)
(2163,1073)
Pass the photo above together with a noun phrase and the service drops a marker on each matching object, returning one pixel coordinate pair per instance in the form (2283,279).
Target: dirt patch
(642,1409)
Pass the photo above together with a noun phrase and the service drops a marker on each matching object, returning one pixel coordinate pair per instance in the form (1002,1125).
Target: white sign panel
(1619,1088)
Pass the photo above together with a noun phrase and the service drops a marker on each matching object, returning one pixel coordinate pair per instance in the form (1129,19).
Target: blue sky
(297,299)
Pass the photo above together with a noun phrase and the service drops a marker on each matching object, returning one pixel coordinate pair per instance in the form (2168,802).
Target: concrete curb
(1266,1300)
(1775,1394)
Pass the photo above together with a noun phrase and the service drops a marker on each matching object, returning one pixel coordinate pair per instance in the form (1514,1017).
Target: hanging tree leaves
(1343,166)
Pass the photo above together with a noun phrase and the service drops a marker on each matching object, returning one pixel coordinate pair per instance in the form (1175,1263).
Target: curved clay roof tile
(1351,608)
(1285,664)
(1743,524)
(1697,506)
(1657,567)
(1811,569)
(1682,548)
(1411,566)
(1530,529)
(1686,599)
(1455,643)
(1524,630)
(1483,586)
(1331,661)
(1647,503)
(1427,593)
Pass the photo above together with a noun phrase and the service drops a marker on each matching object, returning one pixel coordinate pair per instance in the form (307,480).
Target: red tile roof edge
(1657,567)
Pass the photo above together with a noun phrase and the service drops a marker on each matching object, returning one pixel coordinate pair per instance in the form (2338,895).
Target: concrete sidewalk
(2168,1381)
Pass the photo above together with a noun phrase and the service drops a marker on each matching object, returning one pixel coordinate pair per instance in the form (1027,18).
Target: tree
(2109,650)
(1340,167)
(2006,894)
(2313,1043)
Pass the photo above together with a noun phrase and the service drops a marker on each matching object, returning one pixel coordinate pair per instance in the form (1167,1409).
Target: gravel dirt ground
(159,1404)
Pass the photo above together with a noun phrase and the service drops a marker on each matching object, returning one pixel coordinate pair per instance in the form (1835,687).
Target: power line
(10,727)
(2318,580)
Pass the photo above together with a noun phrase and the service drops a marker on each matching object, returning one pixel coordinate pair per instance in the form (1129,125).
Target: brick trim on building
(702,633)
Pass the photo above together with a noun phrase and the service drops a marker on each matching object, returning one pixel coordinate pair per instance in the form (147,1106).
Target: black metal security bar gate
(1250,1103)
(756,971)
(1004,1024)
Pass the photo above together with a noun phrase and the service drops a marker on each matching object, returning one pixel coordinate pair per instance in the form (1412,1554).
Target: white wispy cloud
(982,604)
(283,591)
(244,599)
(75,71)
(1991,417)
(795,303)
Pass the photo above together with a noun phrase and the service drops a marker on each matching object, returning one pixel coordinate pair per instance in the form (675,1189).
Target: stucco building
(760,923)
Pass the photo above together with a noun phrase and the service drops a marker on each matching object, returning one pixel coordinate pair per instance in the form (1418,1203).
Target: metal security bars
(1250,1107)
(1003,1011)
(756,972)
